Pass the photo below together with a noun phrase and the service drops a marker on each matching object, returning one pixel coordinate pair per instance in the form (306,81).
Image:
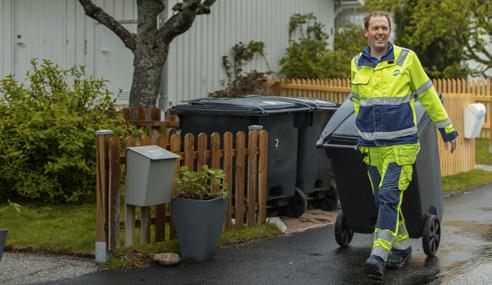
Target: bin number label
(276,142)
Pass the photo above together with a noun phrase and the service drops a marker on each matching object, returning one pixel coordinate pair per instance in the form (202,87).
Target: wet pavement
(313,257)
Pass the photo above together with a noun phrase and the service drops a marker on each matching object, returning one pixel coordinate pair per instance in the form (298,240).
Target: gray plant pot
(3,238)
(198,226)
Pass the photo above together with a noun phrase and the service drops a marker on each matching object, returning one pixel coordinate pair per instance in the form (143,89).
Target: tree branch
(205,7)
(471,54)
(98,14)
(184,18)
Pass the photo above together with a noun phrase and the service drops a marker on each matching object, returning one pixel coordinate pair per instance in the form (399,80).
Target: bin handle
(195,101)
(293,101)
(354,147)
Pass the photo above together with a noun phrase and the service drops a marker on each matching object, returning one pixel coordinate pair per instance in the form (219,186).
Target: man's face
(378,33)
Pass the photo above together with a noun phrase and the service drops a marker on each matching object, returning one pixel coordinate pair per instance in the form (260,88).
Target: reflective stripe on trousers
(390,231)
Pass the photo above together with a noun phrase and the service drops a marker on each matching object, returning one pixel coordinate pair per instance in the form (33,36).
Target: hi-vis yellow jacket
(384,92)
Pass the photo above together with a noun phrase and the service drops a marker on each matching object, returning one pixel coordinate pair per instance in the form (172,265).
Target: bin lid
(342,123)
(313,104)
(153,152)
(478,109)
(245,106)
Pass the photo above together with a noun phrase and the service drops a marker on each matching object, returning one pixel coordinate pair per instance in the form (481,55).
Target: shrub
(310,57)
(239,82)
(47,133)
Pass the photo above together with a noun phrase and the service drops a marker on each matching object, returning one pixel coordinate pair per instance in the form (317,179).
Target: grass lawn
(466,180)
(52,228)
(482,155)
(71,230)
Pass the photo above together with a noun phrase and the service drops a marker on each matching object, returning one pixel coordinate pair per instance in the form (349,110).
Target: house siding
(195,58)
(194,66)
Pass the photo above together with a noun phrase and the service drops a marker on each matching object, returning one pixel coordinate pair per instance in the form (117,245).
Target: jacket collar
(367,59)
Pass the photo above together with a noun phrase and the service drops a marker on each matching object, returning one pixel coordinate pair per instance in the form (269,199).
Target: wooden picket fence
(158,118)
(335,90)
(463,159)
(246,153)
(457,94)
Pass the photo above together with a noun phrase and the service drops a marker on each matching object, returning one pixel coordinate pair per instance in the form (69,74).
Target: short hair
(377,14)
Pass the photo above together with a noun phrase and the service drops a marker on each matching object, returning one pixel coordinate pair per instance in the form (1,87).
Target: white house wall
(59,30)
(6,38)
(195,58)
(195,61)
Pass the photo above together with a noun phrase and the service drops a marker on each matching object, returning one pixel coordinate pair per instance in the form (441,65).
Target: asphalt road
(313,257)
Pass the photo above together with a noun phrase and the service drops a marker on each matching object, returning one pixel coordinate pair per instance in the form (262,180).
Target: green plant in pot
(199,211)
(4,232)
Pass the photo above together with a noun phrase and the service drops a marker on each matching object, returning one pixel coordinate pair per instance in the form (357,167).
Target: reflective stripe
(385,235)
(385,100)
(402,56)
(403,244)
(356,59)
(426,86)
(381,252)
(387,135)
(443,124)
(355,95)
(402,230)
(402,239)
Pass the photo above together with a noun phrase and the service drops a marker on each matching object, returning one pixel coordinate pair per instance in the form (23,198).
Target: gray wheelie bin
(279,118)
(314,169)
(422,203)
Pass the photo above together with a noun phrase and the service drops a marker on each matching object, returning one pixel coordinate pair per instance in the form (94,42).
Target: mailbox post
(149,181)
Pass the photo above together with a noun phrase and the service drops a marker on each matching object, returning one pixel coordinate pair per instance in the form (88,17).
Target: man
(386,81)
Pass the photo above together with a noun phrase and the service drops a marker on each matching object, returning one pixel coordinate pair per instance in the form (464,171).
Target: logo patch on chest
(396,72)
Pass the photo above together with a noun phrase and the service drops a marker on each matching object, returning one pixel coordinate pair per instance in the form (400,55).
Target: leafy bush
(239,82)
(47,133)
(310,57)
(197,184)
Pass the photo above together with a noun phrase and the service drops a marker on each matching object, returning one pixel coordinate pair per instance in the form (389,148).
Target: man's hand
(452,143)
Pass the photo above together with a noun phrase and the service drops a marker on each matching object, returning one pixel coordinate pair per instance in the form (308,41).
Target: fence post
(102,138)
(488,93)
(262,176)
(114,193)
(252,173)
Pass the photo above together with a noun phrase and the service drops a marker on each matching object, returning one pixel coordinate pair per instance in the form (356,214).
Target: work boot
(375,267)
(398,258)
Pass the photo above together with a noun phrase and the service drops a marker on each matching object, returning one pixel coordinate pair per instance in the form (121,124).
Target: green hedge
(47,133)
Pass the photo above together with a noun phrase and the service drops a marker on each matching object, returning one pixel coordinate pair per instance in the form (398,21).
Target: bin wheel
(431,235)
(330,201)
(297,204)
(343,235)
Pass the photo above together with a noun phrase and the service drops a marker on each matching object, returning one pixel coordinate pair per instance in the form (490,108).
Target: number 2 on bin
(276,142)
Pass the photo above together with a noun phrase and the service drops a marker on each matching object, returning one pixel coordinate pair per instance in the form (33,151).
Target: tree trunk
(150,45)
(149,57)
(147,68)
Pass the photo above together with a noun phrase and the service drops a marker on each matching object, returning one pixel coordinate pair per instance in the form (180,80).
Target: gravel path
(23,268)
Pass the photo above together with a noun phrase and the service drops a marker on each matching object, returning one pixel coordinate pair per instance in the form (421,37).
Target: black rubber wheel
(343,235)
(431,235)
(330,201)
(297,205)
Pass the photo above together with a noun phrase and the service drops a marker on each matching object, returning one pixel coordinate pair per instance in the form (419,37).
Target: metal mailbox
(150,175)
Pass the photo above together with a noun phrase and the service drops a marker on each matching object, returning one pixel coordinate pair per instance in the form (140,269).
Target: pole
(102,138)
